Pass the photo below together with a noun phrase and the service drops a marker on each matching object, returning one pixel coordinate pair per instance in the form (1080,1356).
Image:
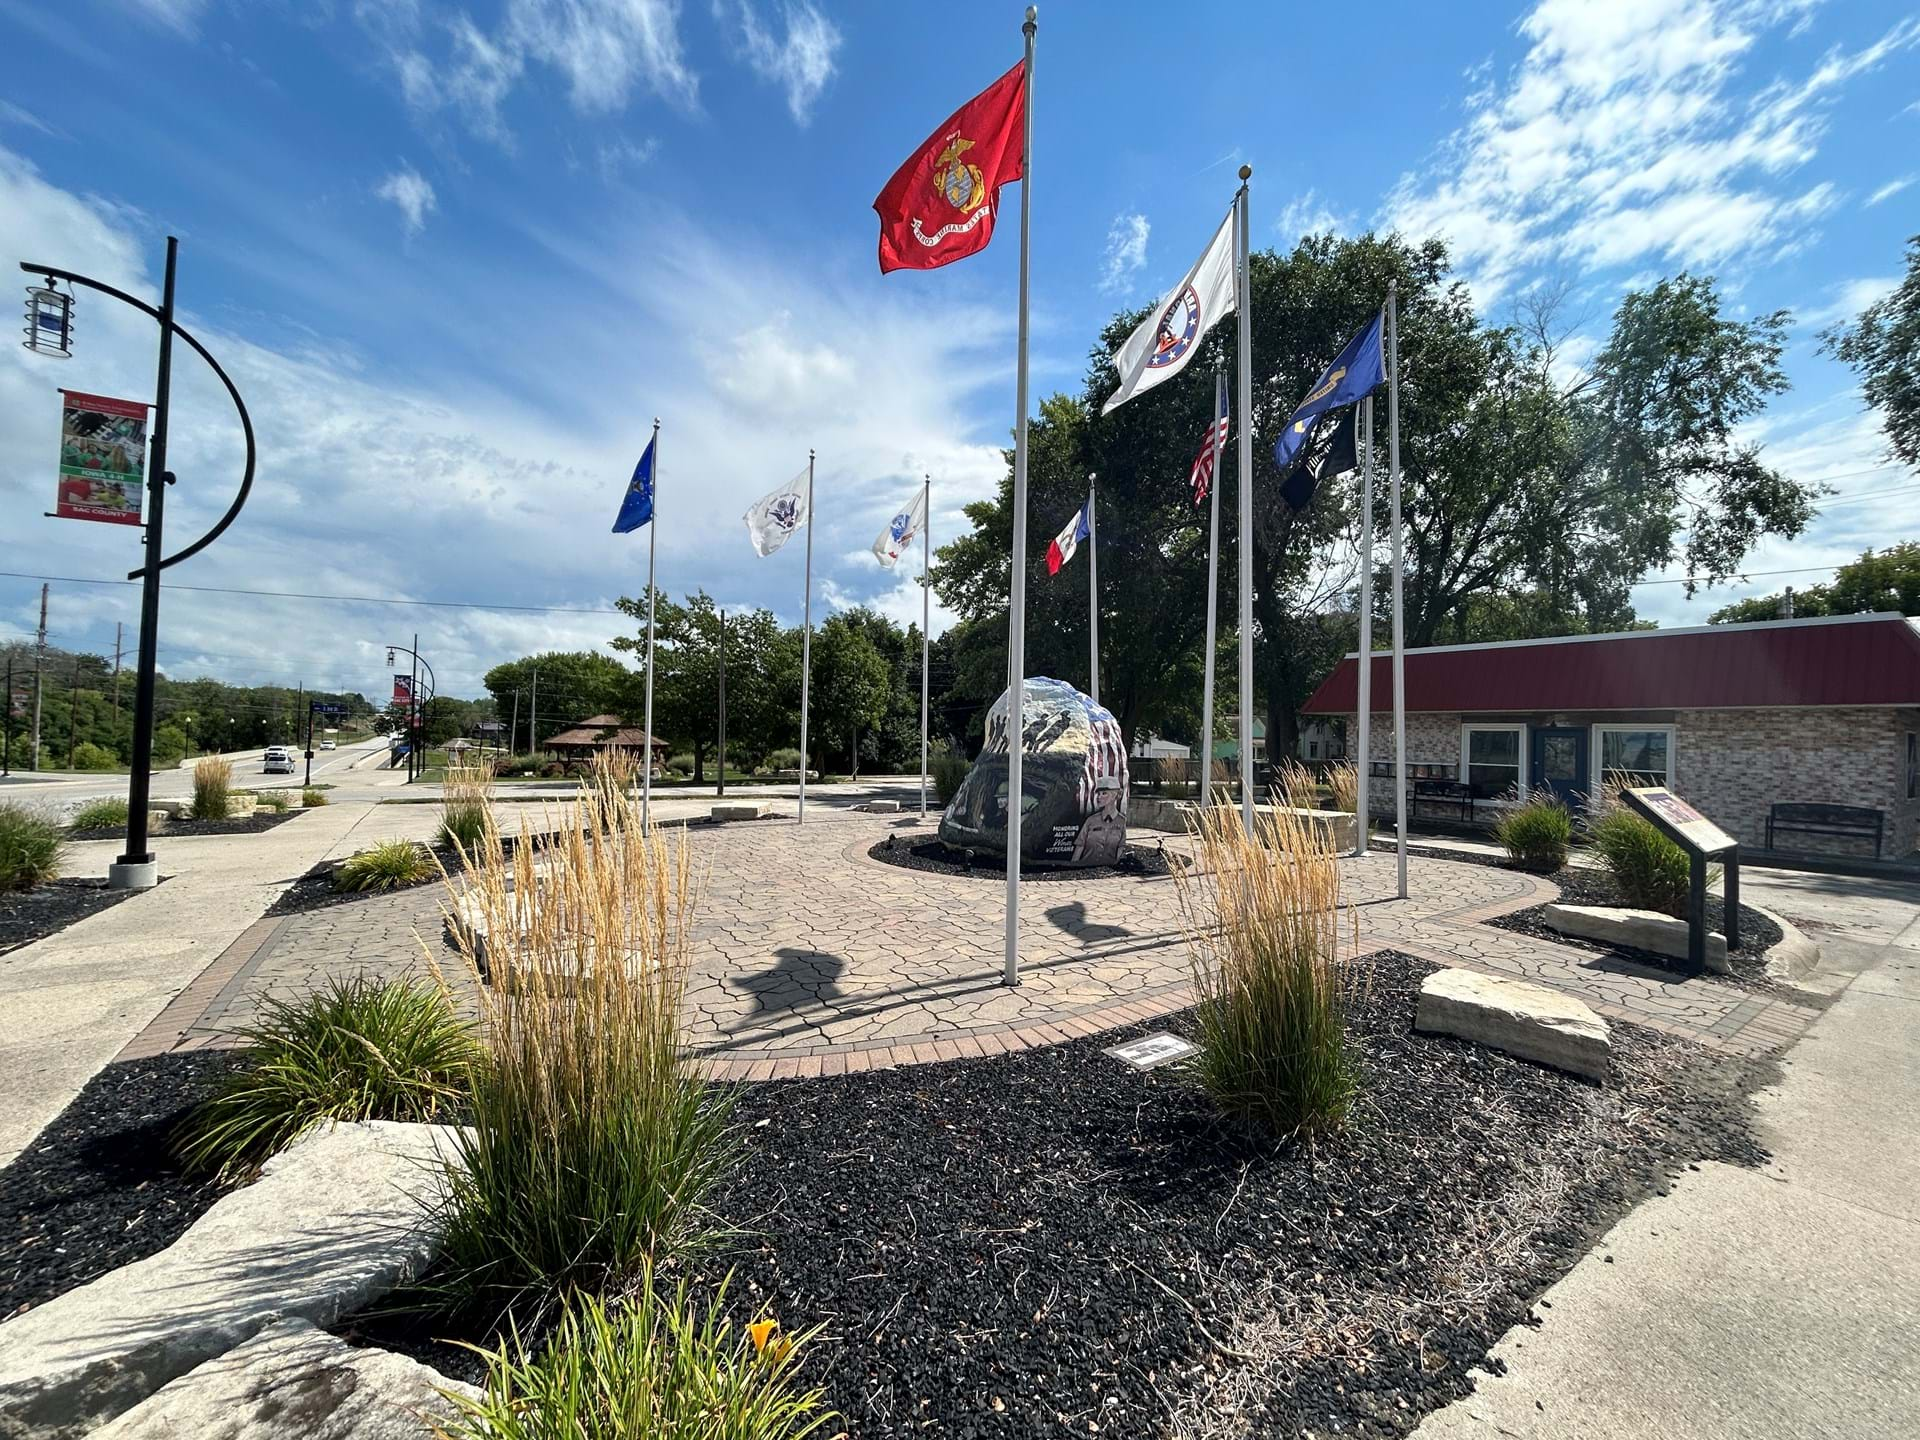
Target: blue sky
(458,256)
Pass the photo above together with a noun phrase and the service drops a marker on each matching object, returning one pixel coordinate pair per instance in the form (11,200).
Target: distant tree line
(1886,579)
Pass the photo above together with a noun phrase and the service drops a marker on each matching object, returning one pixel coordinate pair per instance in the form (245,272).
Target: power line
(349,599)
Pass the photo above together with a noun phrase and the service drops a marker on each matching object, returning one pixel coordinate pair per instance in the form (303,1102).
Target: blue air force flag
(636,506)
(1356,371)
(902,530)
(772,519)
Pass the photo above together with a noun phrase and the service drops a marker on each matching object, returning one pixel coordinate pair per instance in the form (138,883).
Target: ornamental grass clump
(30,848)
(105,814)
(1343,780)
(646,1368)
(949,773)
(361,1049)
(212,788)
(1263,915)
(312,799)
(1538,835)
(390,865)
(466,796)
(591,1145)
(1649,870)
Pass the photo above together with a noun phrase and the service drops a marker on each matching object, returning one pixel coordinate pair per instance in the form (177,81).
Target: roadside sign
(103,456)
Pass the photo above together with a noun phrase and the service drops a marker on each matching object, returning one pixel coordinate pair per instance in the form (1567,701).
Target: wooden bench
(1444,792)
(1847,822)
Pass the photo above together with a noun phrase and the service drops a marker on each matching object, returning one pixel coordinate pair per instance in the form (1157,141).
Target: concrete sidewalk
(73,1000)
(1753,1304)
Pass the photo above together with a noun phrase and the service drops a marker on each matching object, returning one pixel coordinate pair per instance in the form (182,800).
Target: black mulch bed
(1584,885)
(314,890)
(99,1187)
(1136,862)
(242,825)
(47,909)
(1051,1243)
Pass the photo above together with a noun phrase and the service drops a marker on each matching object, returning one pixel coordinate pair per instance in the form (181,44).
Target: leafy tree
(572,685)
(1879,580)
(850,687)
(1883,347)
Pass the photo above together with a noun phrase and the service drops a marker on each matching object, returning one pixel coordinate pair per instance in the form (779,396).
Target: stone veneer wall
(1433,738)
(1733,764)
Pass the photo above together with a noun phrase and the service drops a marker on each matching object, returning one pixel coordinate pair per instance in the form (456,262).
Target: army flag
(939,206)
(1170,335)
(902,530)
(772,519)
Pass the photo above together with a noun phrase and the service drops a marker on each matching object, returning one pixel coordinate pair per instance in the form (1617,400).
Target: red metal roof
(1838,660)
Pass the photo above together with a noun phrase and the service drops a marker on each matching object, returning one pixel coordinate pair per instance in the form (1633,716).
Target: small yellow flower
(780,1349)
(761,1331)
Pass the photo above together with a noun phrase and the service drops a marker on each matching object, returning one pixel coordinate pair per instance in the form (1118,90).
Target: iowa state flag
(939,206)
(1068,540)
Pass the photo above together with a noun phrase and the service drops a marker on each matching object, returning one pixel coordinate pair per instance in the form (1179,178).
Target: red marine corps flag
(939,206)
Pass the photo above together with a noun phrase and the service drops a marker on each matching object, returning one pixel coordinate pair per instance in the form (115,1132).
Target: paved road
(64,791)
(1778,1304)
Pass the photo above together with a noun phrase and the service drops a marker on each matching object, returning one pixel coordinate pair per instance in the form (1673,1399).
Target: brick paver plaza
(811,957)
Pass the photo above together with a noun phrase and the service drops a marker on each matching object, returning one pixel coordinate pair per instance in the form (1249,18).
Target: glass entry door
(1560,763)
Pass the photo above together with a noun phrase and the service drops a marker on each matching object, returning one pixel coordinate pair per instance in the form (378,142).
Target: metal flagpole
(1399,605)
(926,620)
(1213,594)
(1093,593)
(1017,599)
(653,531)
(806,644)
(1364,713)
(1243,303)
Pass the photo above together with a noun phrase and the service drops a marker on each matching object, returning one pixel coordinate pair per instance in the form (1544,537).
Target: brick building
(1736,718)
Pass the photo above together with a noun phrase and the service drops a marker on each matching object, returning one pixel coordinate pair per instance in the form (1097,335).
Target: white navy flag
(1170,335)
(902,530)
(772,519)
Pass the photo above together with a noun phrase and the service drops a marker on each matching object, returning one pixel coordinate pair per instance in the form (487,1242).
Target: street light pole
(136,869)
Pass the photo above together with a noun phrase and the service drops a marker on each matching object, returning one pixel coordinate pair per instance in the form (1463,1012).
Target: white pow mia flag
(772,519)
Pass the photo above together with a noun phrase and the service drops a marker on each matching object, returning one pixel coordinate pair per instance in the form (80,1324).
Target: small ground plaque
(1151,1050)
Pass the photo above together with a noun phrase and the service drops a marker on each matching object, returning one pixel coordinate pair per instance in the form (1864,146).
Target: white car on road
(278,761)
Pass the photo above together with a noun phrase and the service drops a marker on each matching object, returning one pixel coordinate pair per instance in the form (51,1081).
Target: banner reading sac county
(103,454)
(403,690)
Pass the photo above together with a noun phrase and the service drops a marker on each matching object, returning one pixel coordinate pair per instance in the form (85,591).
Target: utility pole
(39,661)
(73,711)
(723,702)
(117,625)
(533,715)
(513,730)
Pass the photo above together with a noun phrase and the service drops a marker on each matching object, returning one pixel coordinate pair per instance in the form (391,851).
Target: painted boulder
(1073,780)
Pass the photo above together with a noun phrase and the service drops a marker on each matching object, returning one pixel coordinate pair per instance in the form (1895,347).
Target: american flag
(1210,447)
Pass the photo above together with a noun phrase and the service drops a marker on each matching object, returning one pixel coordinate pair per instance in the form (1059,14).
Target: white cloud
(1307,214)
(752,362)
(411,194)
(1890,189)
(1623,137)
(11,114)
(1848,299)
(1126,251)
(179,15)
(801,61)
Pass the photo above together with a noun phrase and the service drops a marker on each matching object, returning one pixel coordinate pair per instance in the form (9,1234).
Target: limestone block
(1159,812)
(293,1381)
(1635,930)
(334,1222)
(1517,1016)
(239,807)
(743,810)
(884,807)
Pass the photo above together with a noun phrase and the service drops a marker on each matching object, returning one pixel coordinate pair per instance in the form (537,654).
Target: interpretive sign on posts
(1703,841)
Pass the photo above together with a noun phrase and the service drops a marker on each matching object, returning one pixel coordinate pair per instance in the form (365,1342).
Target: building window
(1633,755)
(1490,759)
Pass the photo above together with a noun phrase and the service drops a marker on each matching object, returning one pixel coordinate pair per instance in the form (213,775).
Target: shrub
(104,814)
(949,773)
(212,787)
(30,848)
(1262,921)
(531,764)
(591,1143)
(274,800)
(312,797)
(646,1369)
(1651,872)
(88,756)
(1343,780)
(1538,834)
(169,747)
(390,865)
(781,760)
(681,764)
(467,799)
(361,1049)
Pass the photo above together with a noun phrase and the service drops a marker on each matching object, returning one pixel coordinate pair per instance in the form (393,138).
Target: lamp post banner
(403,690)
(103,455)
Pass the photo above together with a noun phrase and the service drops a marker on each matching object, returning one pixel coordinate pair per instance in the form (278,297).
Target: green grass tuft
(313,797)
(30,848)
(1652,872)
(359,1050)
(1538,835)
(390,865)
(104,814)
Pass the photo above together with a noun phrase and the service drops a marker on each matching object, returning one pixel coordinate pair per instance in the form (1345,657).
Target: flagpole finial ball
(1033,14)
(1246,172)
